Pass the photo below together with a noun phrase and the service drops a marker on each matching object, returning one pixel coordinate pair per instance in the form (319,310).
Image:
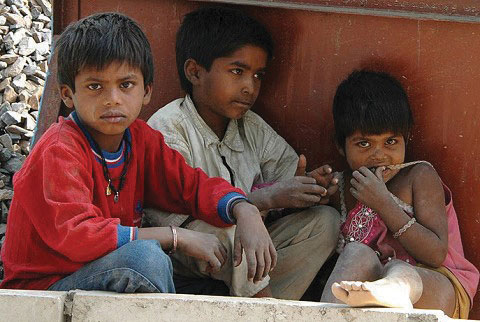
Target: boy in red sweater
(74,220)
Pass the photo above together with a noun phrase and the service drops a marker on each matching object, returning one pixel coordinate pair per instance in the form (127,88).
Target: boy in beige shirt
(221,58)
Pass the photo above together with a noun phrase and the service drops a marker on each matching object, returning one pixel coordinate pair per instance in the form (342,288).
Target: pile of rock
(25,39)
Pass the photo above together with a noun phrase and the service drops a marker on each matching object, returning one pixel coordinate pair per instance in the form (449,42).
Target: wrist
(260,198)
(243,209)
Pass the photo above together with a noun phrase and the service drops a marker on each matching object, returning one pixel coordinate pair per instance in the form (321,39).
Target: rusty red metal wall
(437,62)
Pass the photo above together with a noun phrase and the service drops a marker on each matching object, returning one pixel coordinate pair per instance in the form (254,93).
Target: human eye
(259,75)
(237,71)
(391,141)
(363,144)
(126,84)
(94,86)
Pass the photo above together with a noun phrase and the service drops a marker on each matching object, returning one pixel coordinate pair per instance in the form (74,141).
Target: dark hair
(372,103)
(99,40)
(212,32)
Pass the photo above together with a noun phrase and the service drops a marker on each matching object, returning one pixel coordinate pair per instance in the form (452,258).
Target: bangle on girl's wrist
(404,228)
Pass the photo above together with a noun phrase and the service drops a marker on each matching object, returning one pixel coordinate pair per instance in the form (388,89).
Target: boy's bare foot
(384,292)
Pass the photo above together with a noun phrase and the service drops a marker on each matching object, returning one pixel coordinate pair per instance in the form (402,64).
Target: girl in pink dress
(400,243)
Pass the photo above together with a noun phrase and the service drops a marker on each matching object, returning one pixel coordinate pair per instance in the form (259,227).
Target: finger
(273,255)
(379,172)
(237,251)
(220,257)
(355,183)
(354,193)
(301,165)
(314,189)
(359,176)
(214,263)
(336,178)
(268,262)
(322,175)
(332,190)
(224,253)
(251,264)
(365,171)
(260,266)
(307,200)
(306,180)
(321,171)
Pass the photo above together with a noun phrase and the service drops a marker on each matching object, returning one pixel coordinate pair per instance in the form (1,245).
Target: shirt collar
(232,137)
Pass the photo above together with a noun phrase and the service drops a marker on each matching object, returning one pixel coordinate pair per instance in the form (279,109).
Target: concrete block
(103,306)
(38,306)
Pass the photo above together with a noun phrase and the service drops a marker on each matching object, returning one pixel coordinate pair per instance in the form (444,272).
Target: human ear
(148,94)
(192,71)
(66,94)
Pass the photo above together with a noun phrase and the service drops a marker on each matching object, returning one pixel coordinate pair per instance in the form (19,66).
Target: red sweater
(60,217)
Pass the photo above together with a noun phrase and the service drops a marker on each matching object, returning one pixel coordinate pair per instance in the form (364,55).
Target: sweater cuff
(126,234)
(224,206)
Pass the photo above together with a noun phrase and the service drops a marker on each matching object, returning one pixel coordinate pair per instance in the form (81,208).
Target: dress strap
(405,165)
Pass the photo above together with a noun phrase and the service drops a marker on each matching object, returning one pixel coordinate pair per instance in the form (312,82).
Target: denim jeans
(139,266)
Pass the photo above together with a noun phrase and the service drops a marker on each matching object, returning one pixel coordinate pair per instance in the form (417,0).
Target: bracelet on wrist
(174,240)
(404,228)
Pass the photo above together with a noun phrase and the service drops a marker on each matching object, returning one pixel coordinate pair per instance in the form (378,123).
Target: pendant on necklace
(115,198)
(108,191)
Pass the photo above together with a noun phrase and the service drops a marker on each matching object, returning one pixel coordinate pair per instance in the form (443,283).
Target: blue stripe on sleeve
(123,235)
(223,206)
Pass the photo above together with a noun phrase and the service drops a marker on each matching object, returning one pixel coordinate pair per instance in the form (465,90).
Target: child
(79,196)
(221,59)
(402,241)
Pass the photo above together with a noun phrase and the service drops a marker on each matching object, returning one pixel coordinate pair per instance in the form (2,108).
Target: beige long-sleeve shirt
(250,153)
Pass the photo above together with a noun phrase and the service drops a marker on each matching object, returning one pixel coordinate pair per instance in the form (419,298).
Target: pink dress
(364,225)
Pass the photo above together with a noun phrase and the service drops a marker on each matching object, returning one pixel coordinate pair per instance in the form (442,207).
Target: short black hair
(99,40)
(372,103)
(213,32)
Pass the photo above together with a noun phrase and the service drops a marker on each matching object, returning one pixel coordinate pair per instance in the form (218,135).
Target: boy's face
(107,101)
(374,150)
(231,86)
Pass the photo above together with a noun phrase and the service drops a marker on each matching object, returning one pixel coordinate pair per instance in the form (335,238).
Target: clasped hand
(306,189)
(369,188)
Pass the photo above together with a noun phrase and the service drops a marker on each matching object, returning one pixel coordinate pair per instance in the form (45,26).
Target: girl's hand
(369,188)
(203,246)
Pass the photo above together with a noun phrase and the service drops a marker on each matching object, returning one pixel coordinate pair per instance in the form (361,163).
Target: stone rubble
(25,42)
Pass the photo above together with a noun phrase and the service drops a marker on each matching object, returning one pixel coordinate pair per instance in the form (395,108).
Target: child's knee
(360,255)
(147,256)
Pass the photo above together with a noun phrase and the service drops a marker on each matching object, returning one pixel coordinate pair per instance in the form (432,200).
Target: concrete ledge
(18,305)
(104,306)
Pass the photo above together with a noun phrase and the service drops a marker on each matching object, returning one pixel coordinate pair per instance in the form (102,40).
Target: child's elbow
(439,256)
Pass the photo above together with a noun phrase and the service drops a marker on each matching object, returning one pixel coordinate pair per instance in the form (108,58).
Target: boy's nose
(248,86)
(112,97)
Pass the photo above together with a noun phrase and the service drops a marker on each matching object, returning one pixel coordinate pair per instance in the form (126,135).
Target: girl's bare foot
(383,292)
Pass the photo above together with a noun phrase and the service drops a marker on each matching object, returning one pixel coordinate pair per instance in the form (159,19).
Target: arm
(61,208)
(173,186)
(209,199)
(429,204)
(203,246)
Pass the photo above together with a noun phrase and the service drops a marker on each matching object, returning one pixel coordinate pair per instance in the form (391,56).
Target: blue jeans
(139,266)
